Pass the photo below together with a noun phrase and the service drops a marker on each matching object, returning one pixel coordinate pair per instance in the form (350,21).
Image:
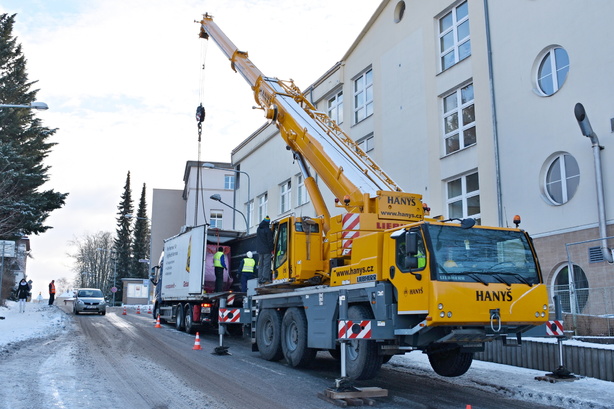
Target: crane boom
(348,172)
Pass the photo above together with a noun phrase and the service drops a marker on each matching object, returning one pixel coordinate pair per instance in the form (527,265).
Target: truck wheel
(450,362)
(268,334)
(156,312)
(294,338)
(362,359)
(189,325)
(179,324)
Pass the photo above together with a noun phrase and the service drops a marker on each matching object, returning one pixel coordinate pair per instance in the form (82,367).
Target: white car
(89,300)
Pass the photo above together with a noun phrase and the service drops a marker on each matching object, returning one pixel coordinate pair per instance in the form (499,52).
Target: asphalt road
(124,361)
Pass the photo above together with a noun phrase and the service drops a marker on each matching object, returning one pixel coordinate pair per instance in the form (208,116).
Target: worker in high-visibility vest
(51,292)
(219,264)
(247,270)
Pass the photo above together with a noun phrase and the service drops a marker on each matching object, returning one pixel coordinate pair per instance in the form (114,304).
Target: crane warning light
(336,200)
(517,220)
(346,199)
(426,208)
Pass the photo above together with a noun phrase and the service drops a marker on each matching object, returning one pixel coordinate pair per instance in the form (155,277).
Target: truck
(184,279)
(381,277)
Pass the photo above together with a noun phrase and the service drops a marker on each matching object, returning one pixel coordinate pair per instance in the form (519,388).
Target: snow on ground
(41,320)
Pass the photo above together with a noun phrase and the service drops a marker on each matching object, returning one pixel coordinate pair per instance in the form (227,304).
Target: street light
(218,198)
(114,258)
(33,105)
(249,184)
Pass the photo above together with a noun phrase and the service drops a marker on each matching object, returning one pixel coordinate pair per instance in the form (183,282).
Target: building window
(552,71)
(363,96)
(250,212)
(562,179)
(335,108)
(215,219)
(263,206)
(459,119)
(454,41)
(572,299)
(366,144)
(464,197)
(301,191)
(229,182)
(285,195)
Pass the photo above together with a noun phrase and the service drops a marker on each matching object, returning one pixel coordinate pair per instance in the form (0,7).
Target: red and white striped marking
(230,300)
(351,223)
(229,315)
(554,329)
(354,329)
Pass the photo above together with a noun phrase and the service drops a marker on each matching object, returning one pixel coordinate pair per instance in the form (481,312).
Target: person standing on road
(219,263)
(246,270)
(51,292)
(23,291)
(39,298)
(264,241)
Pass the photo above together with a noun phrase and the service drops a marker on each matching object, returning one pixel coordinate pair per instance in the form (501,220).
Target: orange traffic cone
(468,407)
(124,313)
(138,309)
(158,322)
(197,342)
(149,310)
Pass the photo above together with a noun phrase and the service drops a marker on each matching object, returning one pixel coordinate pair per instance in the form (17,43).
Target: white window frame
(567,189)
(229,182)
(363,96)
(457,45)
(285,196)
(462,128)
(302,195)
(263,206)
(463,197)
(334,107)
(216,218)
(249,208)
(556,70)
(367,144)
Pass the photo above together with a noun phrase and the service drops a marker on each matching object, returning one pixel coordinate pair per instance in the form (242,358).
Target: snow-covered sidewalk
(41,320)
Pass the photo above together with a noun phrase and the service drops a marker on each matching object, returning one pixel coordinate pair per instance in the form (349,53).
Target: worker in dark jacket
(264,242)
(219,264)
(246,270)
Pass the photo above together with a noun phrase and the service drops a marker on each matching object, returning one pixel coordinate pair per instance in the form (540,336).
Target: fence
(593,314)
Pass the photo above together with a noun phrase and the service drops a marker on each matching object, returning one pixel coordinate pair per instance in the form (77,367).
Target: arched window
(579,297)
(552,71)
(562,179)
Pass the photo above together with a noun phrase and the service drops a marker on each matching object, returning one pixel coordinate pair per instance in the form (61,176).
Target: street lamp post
(218,198)
(249,194)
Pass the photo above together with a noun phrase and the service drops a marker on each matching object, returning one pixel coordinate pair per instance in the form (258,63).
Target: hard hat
(249,254)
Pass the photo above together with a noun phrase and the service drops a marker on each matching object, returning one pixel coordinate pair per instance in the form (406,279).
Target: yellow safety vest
(248,265)
(217,259)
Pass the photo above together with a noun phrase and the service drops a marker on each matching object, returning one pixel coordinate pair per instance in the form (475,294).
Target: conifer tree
(140,244)
(24,144)
(123,238)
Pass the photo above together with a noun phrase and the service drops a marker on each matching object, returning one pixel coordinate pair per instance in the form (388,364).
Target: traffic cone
(468,407)
(138,309)
(149,311)
(197,342)
(124,313)
(158,322)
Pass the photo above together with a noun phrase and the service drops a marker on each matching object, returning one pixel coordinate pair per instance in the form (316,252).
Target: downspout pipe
(587,130)
(493,103)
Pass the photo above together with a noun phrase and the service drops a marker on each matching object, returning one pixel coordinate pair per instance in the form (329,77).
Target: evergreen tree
(140,245)
(23,146)
(123,239)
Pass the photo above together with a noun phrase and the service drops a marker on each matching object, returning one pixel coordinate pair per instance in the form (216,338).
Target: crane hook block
(200,114)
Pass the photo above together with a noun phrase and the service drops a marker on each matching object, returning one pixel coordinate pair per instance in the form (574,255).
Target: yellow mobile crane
(380,278)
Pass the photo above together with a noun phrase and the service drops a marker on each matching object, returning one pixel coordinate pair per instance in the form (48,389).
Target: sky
(41,321)
(123,79)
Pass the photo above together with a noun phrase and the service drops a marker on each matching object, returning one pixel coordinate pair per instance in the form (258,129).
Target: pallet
(355,397)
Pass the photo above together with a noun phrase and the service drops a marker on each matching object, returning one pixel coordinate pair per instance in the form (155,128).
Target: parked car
(89,300)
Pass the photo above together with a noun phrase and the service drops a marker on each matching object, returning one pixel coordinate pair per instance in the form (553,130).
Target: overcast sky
(123,78)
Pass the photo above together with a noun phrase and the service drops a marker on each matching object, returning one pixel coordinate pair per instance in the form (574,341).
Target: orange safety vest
(51,288)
